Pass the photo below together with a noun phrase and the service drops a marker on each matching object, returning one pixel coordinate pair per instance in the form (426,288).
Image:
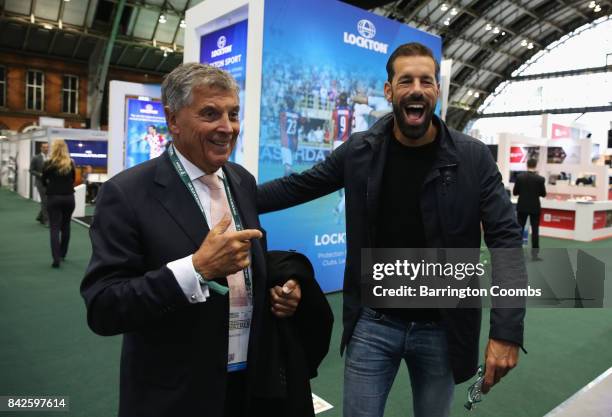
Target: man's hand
(223,253)
(500,358)
(285,299)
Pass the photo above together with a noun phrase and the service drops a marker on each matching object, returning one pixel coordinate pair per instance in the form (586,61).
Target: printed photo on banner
(313,99)
(146,133)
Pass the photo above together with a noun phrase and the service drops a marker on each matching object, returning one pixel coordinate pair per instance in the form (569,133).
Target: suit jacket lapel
(178,201)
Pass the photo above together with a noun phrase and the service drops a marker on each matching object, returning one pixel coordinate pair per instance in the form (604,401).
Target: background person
(58,178)
(529,187)
(36,166)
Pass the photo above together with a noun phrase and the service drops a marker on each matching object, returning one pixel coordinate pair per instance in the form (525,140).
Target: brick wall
(14,115)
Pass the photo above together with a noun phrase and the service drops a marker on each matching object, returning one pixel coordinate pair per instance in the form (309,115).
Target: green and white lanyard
(180,170)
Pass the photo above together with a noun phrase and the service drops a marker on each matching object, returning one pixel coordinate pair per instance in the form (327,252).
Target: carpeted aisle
(46,347)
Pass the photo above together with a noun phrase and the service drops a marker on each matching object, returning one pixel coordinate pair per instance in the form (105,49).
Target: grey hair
(177,86)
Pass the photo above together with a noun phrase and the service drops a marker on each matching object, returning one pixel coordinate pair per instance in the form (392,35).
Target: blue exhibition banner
(146,132)
(323,77)
(226,49)
(88,152)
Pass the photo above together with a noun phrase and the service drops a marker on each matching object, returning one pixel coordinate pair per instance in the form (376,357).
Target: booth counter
(584,221)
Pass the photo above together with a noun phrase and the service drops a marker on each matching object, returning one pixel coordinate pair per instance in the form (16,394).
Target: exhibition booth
(88,149)
(577,205)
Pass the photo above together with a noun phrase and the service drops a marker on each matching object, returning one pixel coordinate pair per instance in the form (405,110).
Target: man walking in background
(529,187)
(36,166)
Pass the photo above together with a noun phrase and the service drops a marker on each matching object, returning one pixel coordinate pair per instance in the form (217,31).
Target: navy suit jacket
(174,355)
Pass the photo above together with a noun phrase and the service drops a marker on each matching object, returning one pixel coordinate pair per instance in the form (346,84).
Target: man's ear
(388,91)
(173,127)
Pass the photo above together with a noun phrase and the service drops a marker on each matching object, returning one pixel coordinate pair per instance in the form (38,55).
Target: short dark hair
(411,49)
(532,163)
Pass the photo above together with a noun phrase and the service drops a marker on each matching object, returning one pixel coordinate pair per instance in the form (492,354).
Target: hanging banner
(226,49)
(322,80)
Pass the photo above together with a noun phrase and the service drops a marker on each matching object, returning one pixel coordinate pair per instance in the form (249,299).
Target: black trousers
(235,395)
(43,216)
(60,208)
(534,220)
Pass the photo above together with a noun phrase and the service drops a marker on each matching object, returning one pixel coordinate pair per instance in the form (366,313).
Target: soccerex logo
(221,42)
(367,30)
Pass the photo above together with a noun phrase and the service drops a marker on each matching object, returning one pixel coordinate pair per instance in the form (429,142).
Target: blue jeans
(373,356)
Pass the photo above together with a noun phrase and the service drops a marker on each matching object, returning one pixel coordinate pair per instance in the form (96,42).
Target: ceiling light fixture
(592,5)
(597,9)
(470,92)
(48,26)
(524,42)
(496,30)
(530,45)
(488,27)
(476,94)
(447,22)
(454,11)
(183,24)
(162,18)
(444,7)
(503,33)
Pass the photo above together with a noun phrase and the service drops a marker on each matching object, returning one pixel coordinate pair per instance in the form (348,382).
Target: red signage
(602,219)
(516,155)
(558,219)
(560,132)
(599,219)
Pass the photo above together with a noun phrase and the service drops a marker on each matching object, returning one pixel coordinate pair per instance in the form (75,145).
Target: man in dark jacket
(529,187)
(169,237)
(36,166)
(410,181)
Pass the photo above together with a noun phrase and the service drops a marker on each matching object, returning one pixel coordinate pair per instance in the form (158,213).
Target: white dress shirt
(183,269)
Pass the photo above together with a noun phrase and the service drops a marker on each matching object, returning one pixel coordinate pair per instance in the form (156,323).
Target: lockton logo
(366,28)
(149,109)
(224,48)
(221,42)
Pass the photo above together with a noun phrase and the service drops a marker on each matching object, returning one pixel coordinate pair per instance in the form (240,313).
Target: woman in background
(58,176)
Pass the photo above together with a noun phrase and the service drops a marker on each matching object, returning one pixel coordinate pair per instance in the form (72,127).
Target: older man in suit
(36,166)
(170,237)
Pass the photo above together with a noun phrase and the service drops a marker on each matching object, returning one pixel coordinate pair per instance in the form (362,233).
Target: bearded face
(413,93)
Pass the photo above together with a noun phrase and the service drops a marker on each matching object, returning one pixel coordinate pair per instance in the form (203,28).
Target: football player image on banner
(323,79)
(289,121)
(342,122)
(146,133)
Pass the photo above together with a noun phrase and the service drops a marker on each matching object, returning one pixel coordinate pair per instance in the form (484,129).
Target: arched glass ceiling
(587,47)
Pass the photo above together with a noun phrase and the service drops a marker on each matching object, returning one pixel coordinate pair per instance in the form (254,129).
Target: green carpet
(47,349)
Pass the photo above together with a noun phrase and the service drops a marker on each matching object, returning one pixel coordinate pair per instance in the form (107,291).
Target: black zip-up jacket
(462,191)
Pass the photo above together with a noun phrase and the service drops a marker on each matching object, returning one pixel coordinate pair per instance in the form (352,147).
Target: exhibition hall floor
(46,347)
